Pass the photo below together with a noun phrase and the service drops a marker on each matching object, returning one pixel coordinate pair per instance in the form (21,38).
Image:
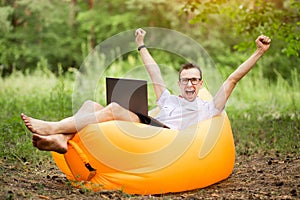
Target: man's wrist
(141,46)
(259,52)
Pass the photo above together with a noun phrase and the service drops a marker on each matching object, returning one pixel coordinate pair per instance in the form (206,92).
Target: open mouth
(190,92)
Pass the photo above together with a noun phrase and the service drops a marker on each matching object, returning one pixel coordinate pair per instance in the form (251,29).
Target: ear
(201,83)
(178,82)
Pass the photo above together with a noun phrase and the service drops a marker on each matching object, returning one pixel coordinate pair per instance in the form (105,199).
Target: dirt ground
(259,176)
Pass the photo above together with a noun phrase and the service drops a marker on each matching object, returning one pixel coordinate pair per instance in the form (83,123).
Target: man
(176,112)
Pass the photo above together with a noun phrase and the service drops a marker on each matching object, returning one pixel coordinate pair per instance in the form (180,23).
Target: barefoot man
(176,112)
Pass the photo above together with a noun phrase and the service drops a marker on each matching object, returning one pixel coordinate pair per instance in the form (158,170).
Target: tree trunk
(92,34)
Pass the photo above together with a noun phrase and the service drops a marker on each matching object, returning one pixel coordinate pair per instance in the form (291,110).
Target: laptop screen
(129,93)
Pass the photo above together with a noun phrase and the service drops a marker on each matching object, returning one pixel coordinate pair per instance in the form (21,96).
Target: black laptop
(131,94)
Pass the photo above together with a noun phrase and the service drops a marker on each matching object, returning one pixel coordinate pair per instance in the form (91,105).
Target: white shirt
(178,113)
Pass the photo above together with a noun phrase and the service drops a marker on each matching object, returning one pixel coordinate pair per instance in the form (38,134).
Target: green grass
(264,116)
(41,95)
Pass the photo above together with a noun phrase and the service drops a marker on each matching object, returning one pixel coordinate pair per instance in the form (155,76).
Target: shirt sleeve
(163,98)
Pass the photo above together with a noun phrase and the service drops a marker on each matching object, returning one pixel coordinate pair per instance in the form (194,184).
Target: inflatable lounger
(142,159)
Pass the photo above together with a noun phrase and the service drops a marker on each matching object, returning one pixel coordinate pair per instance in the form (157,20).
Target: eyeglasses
(194,81)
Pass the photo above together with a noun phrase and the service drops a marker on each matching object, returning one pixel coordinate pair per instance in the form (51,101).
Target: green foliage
(5,25)
(163,13)
(278,23)
(228,33)
(62,33)
(37,32)
(277,19)
(104,20)
(202,9)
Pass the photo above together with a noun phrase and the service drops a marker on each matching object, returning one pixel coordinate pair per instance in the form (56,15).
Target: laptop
(131,94)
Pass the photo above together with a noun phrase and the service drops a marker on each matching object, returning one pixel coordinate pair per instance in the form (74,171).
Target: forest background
(52,33)
(44,43)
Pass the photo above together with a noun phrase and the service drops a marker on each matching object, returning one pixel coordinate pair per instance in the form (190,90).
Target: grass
(264,116)
(40,94)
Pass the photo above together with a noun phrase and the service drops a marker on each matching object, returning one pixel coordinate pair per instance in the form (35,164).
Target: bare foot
(39,126)
(57,143)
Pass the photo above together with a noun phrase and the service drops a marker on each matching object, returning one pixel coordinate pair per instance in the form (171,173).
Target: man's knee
(89,104)
(115,107)
(118,112)
(111,110)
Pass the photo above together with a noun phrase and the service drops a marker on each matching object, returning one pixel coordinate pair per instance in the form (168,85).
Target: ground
(259,176)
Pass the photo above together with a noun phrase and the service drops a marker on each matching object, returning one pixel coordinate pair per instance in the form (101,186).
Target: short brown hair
(189,66)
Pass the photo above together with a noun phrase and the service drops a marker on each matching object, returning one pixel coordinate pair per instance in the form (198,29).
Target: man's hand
(263,43)
(139,36)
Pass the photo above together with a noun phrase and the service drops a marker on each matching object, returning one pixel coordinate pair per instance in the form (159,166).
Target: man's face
(189,83)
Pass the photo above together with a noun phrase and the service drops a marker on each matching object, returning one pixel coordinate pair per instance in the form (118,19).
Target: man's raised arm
(220,99)
(150,64)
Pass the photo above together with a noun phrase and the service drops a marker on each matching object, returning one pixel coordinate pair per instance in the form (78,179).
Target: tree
(37,32)
(279,19)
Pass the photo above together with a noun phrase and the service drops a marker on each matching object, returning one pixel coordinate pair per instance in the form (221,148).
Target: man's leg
(65,126)
(111,112)
(58,141)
